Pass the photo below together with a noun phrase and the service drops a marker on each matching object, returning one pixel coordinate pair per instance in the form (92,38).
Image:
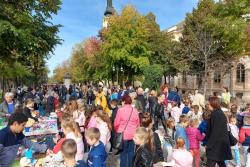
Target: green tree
(125,42)
(26,34)
(153,76)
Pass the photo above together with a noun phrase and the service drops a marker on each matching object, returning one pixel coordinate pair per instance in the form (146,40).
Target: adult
(126,121)
(101,99)
(7,107)
(225,96)
(164,90)
(199,100)
(141,98)
(218,145)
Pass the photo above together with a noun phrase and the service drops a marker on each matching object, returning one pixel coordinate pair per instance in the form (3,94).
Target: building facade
(236,78)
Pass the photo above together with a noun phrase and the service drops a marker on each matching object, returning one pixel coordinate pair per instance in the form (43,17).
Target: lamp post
(117,69)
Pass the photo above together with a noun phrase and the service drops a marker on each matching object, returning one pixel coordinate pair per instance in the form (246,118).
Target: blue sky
(83,18)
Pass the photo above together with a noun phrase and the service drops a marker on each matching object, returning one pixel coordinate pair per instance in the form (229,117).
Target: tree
(125,42)
(61,70)
(209,40)
(153,76)
(26,34)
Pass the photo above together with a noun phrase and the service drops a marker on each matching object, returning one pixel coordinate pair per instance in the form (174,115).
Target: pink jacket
(92,123)
(121,120)
(105,132)
(194,137)
(181,158)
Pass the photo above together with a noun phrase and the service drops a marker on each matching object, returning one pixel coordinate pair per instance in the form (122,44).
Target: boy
(97,155)
(12,137)
(195,114)
(181,130)
(69,150)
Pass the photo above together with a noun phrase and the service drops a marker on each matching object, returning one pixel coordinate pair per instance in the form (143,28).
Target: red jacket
(58,146)
(244,136)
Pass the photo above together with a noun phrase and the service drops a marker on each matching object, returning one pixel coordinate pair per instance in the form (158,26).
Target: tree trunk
(205,77)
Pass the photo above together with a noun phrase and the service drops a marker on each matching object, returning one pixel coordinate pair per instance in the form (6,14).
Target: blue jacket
(97,156)
(9,144)
(203,129)
(181,132)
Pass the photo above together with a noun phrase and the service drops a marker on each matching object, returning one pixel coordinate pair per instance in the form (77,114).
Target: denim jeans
(127,154)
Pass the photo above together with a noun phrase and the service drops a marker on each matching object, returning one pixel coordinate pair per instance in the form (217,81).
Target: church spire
(109,9)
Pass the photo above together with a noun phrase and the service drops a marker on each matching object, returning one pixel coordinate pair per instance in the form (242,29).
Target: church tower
(109,12)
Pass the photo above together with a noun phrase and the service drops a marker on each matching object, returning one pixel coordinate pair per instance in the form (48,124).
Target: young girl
(181,157)
(147,122)
(143,157)
(71,131)
(79,116)
(104,125)
(169,139)
(194,137)
(235,132)
(176,111)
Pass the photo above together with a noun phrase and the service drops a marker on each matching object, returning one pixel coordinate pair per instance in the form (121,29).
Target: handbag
(119,136)
(232,140)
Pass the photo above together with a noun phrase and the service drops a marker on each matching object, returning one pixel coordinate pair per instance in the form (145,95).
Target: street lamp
(117,69)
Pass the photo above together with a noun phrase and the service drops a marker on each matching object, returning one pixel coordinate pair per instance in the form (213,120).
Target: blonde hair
(69,148)
(93,133)
(144,135)
(105,118)
(180,143)
(194,122)
(68,122)
(169,121)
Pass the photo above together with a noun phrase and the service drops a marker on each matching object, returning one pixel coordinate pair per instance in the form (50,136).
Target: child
(143,156)
(203,125)
(194,137)
(169,140)
(104,125)
(175,111)
(80,114)
(12,137)
(195,114)
(113,109)
(147,122)
(181,157)
(186,108)
(71,131)
(235,132)
(97,155)
(69,150)
(181,130)
(29,108)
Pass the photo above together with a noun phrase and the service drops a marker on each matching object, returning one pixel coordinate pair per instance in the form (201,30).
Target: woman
(218,145)
(126,121)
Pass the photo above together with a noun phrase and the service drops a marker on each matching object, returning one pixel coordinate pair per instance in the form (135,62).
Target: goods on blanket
(53,115)
(30,123)
(25,162)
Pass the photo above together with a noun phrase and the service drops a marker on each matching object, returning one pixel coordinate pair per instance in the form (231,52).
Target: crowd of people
(164,128)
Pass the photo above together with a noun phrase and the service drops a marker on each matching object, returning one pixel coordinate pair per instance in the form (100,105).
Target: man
(12,137)
(199,100)
(7,107)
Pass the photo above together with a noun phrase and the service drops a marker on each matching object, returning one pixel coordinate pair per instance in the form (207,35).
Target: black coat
(143,157)
(218,146)
(27,112)
(157,151)
(143,102)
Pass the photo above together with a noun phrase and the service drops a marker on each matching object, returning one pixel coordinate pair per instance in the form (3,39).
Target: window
(240,73)
(217,77)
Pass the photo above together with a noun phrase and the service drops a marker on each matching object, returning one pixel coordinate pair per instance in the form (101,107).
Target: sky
(82,19)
